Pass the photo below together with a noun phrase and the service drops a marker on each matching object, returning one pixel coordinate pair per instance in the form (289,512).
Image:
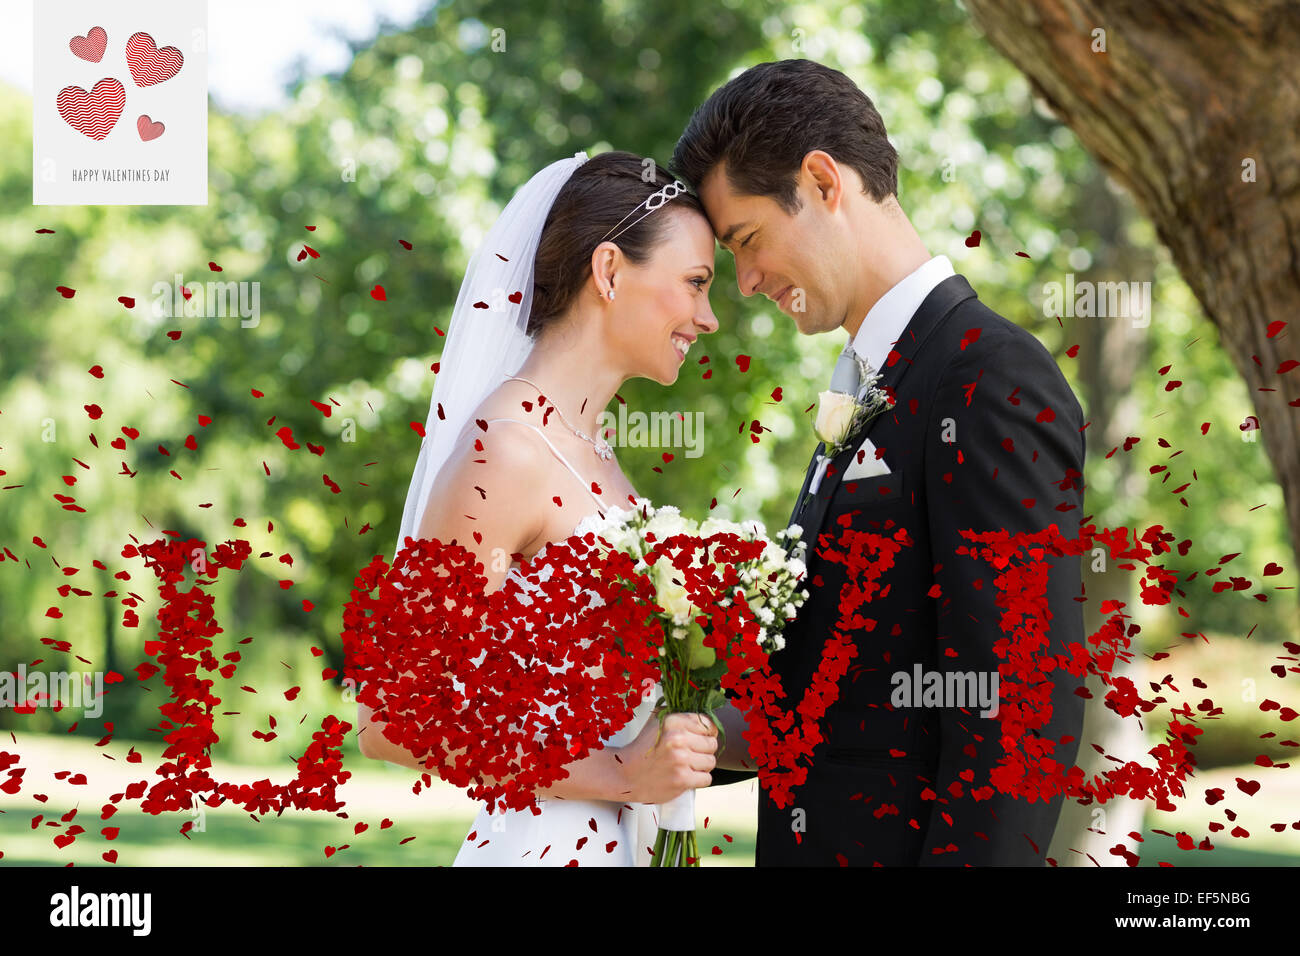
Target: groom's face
(780,255)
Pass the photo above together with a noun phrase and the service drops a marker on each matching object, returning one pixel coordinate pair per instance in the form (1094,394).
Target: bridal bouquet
(718,584)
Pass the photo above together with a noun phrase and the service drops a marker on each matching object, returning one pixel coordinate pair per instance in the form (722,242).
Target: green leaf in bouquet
(703,675)
(715,699)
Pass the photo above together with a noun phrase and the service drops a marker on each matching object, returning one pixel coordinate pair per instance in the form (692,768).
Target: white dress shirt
(887,319)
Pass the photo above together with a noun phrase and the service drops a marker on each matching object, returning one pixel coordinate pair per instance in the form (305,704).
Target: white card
(864,463)
(120,103)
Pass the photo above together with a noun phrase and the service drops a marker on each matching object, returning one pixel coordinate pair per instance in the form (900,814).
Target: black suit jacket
(885,786)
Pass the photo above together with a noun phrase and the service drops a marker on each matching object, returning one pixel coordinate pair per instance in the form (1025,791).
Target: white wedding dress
(585,832)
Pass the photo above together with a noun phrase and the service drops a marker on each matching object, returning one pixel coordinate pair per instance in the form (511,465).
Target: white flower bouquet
(734,566)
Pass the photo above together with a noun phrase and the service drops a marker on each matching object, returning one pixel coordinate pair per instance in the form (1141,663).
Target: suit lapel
(936,306)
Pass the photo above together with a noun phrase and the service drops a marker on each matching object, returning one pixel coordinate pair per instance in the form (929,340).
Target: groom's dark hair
(763,122)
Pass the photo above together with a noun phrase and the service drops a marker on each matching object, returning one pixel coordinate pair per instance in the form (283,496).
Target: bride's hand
(660,767)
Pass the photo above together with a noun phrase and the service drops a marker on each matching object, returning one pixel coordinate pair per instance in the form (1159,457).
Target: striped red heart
(148,129)
(150,65)
(91,46)
(94,113)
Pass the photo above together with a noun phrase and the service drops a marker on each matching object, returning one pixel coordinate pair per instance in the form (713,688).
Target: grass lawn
(434,822)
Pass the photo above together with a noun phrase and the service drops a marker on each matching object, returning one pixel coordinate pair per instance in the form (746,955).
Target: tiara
(652,202)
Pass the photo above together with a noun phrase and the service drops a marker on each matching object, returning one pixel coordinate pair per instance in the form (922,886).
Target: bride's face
(662,306)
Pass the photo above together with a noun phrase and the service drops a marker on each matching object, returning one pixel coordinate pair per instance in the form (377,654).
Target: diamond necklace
(598,445)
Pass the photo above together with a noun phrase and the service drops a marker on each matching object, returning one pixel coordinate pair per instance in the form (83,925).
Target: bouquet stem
(676,848)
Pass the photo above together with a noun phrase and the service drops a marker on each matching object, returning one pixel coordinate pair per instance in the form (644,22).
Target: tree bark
(1182,97)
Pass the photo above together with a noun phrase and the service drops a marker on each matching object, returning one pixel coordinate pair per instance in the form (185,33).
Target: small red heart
(64,291)
(131,433)
(1271,569)
(378,294)
(110,856)
(127,301)
(97,371)
(174,334)
(214,267)
(742,362)
(91,46)
(119,444)
(481,305)
(516,297)
(1248,787)
(149,130)
(404,244)
(973,239)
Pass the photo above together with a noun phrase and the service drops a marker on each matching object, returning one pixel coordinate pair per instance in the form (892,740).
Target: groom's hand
(659,766)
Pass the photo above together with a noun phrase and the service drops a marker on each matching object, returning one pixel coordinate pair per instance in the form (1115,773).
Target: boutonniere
(840,416)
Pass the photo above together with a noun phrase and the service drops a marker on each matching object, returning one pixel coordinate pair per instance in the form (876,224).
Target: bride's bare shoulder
(502,466)
(512,399)
(507,449)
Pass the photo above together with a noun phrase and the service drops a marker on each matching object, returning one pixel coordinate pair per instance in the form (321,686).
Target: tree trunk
(1112,354)
(1194,108)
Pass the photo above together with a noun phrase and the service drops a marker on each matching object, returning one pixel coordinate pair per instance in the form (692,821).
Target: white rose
(835,412)
(665,523)
(669,594)
(711,526)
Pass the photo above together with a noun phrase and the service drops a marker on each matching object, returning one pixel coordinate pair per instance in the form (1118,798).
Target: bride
(594,273)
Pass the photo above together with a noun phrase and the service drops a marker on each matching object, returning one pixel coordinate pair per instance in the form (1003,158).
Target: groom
(799,181)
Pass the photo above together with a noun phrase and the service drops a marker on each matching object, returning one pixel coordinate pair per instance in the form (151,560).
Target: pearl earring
(611,295)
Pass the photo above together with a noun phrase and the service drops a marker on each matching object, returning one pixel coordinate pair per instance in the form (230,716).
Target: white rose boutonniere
(840,416)
(835,414)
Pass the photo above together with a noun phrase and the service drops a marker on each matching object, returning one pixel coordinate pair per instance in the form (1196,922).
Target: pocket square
(864,463)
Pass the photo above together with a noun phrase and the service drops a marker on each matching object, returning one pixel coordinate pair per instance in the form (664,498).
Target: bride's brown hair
(602,191)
